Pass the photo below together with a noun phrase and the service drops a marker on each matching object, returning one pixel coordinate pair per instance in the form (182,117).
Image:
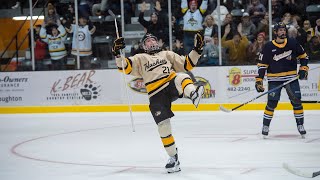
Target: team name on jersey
(282,55)
(151,66)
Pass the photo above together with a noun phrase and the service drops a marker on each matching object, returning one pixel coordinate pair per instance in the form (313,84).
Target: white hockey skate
(196,95)
(173,164)
(302,131)
(265,131)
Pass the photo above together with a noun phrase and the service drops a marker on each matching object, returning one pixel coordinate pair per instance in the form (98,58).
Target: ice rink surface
(102,146)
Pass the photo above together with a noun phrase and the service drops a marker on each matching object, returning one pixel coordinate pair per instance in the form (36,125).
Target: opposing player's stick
(123,74)
(299,172)
(267,92)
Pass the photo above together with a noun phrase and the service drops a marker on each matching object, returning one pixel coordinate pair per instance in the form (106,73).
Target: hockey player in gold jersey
(163,73)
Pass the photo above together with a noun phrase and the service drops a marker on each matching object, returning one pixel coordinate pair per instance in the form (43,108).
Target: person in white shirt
(192,21)
(55,40)
(84,43)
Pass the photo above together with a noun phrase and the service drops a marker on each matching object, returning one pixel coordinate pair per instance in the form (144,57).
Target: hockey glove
(303,72)
(259,84)
(198,42)
(118,44)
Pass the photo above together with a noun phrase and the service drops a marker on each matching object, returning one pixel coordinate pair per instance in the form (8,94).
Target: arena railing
(15,37)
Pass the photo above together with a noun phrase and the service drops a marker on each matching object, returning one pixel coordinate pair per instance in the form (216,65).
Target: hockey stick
(310,101)
(291,95)
(123,74)
(299,172)
(267,92)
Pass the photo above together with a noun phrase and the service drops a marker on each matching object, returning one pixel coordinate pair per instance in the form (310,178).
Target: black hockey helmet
(278,26)
(152,49)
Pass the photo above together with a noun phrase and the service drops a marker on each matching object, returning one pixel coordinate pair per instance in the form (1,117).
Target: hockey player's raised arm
(188,62)
(118,45)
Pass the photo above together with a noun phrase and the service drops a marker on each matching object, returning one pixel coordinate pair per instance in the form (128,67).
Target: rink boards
(106,91)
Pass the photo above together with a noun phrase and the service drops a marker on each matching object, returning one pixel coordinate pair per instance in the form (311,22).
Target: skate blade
(303,136)
(264,136)
(174,169)
(200,92)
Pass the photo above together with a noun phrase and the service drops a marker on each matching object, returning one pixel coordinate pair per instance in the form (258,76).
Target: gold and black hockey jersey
(159,68)
(280,60)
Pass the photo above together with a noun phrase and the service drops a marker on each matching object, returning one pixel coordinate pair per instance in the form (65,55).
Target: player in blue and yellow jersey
(278,61)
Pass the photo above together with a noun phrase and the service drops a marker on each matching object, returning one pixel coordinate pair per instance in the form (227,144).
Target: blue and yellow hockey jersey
(280,60)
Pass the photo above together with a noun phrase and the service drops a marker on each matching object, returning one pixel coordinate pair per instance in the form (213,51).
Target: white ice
(212,145)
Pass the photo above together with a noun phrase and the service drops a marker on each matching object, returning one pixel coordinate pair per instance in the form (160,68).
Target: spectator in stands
(84,9)
(99,9)
(192,21)
(292,32)
(155,26)
(52,17)
(210,27)
(68,17)
(177,29)
(136,48)
(313,49)
(256,10)
(237,47)
(288,20)
(255,48)
(55,40)
(129,8)
(246,27)
(210,52)
(40,50)
(277,11)
(223,12)
(308,29)
(228,21)
(317,28)
(82,41)
(178,47)
(297,32)
(263,26)
(18,4)
(294,7)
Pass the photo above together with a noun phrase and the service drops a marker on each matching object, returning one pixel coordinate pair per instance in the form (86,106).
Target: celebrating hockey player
(162,73)
(280,58)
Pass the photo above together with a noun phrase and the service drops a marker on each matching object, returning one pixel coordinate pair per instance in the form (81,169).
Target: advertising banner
(230,84)
(59,88)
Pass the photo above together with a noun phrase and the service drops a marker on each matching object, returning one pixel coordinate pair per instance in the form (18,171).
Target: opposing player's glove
(198,42)
(259,84)
(118,44)
(303,72)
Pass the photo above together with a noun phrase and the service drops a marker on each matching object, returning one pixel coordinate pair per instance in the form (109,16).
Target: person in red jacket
(40,50)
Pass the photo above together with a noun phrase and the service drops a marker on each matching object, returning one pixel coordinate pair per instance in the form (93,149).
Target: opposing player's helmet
(278,26)
(150,49)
